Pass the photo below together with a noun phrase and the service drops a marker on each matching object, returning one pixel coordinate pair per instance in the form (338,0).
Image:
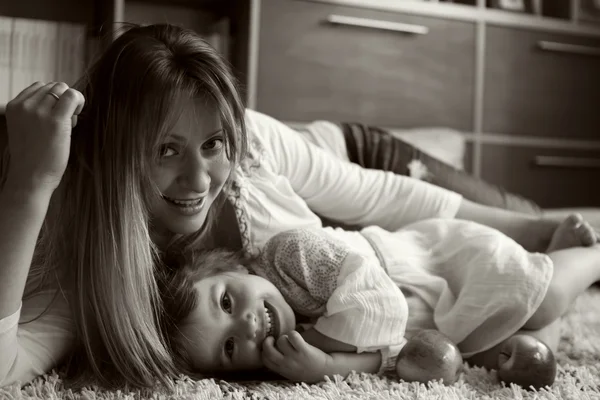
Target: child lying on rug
(470,282)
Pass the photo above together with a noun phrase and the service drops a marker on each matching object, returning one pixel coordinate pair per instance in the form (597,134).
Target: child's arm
(296,360)
(325,343)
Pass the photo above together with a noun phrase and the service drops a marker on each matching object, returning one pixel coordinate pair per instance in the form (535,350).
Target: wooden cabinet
(552,177)
(316,62)
(541,84)
(525,89)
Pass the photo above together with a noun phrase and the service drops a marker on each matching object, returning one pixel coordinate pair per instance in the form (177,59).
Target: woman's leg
(575,270)
(549,335)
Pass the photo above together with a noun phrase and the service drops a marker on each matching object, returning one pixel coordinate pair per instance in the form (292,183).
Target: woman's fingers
(39,99)
(39,131)
(49,99)
(71,103)
(28,91)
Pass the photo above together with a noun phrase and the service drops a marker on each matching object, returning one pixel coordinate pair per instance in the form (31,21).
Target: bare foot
(573,231)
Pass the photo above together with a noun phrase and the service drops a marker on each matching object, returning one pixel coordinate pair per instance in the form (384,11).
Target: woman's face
(191,170)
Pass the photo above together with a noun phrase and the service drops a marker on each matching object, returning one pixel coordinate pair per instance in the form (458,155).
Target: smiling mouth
(184,202)
(271,322)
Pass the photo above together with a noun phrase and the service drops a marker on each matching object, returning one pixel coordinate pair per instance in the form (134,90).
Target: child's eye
(166,150)
(226,303)
(229,347)
(214,144)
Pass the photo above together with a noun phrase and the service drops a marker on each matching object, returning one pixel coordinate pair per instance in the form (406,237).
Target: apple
(429,355)
(527,362)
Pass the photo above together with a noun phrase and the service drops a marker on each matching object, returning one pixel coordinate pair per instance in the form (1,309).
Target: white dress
(470,282)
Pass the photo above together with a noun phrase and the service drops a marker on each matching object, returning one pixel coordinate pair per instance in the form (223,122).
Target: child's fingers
(270,352)
(273,365)
(296,340)
(284,345)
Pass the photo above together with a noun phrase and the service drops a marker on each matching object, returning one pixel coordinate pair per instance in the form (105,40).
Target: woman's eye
(229,347)
(166,151)
(214,144)
(226,303)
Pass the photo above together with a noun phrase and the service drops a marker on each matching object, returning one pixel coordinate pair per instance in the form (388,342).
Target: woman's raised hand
(39,121)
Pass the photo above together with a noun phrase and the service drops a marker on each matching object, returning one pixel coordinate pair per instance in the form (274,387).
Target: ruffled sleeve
(366,310)
(304,265)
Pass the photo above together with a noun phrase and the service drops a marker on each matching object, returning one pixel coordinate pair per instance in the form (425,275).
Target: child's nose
(248,326)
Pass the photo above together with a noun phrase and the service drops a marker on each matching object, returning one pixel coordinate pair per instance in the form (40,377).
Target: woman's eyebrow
(214,133)
(177,137)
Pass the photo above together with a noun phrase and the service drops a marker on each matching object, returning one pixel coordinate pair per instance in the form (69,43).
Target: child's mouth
(270,321)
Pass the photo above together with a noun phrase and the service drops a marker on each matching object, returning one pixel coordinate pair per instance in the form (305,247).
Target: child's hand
(295,359)
(573,231)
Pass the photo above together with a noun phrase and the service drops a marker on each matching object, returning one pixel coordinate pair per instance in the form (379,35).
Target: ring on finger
(54,95)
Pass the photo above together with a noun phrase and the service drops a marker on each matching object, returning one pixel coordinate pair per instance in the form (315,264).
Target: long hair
(97,230)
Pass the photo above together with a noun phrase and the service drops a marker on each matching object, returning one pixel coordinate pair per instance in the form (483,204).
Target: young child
(473,284)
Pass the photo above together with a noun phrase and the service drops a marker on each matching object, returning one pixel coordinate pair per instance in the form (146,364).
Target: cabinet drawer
(550,177)
(310,68)
(535,92)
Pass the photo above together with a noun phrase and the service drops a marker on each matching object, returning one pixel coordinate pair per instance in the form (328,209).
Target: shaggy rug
(578,377)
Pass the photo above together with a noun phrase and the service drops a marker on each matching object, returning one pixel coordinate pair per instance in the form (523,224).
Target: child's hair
(180,297)
(96,237)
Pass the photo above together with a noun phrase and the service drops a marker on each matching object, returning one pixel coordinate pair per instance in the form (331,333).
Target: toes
(586,234)
(574,220)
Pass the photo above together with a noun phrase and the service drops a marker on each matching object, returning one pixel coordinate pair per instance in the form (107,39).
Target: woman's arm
(36,338)
(344,191)
(39,123)
(22,214)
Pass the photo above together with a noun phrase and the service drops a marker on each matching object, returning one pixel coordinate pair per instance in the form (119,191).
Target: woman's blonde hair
(96,237)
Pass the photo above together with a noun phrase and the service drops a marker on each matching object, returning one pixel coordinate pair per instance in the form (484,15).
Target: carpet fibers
(578,377)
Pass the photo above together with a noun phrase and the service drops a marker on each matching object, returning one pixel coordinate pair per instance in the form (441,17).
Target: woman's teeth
(187,207)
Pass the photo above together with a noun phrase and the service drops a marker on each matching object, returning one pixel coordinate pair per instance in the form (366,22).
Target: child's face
(236,311)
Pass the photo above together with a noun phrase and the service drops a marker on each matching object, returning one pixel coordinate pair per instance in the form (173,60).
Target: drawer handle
(569,48)
(566,162)
(377,24)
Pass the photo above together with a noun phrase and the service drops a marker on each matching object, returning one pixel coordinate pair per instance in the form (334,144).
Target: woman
(158,165)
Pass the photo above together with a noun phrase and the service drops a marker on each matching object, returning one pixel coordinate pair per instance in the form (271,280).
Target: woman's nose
(195,175)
